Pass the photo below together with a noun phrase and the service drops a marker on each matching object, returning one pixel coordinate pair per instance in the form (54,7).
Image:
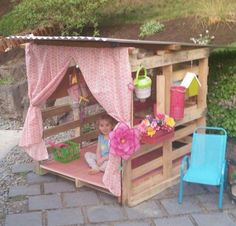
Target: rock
(13,100)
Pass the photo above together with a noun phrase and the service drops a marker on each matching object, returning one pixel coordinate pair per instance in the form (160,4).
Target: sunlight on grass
(136,11)
(215,11)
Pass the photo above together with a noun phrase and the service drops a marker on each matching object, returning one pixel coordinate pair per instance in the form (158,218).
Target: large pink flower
(124,141)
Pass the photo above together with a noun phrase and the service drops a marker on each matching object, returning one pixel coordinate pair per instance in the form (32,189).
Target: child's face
(105,127)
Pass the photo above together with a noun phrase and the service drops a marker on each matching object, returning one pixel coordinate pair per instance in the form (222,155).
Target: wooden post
(202,95)
(167,145)
(167,72)
(160,93)
(126,181)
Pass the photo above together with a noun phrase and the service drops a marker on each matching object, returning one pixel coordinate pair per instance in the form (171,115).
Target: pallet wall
(156,167)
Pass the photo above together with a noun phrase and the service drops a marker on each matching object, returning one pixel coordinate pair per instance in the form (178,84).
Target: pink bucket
(177,97)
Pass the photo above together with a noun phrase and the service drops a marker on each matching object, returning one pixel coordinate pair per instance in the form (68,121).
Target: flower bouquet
(156,129)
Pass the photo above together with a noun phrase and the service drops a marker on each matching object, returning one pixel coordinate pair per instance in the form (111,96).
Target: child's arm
(98,153)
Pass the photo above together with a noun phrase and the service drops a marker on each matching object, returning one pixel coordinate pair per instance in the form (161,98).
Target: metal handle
(138,71)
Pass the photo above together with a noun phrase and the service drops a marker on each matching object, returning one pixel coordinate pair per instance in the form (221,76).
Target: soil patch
(177,30)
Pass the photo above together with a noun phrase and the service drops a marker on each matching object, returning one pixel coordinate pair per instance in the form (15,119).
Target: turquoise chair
(207,164)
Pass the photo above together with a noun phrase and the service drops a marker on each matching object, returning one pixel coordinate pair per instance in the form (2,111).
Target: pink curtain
(107,73)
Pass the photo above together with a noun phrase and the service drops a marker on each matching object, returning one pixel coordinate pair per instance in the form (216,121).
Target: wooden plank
(177,153)
(145,168)
(179,75)
(160,93)
(61,128)
(176,170)
(169,58)
(146,148)
(70,125)
(186,140)
(184,131)
(202,76)
(55,110)
(167,161)
(152,191)
(202,94)
(192,115)
(146,184)
(86,137)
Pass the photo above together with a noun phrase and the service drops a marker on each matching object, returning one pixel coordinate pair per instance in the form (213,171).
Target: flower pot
(158,137)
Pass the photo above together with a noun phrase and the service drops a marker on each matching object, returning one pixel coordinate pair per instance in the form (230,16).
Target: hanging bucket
(142,84)
(177,97)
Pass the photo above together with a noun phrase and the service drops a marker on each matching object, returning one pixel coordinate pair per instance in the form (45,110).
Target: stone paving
(52,201)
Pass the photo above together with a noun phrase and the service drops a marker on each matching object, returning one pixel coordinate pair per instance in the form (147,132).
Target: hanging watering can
(142,84)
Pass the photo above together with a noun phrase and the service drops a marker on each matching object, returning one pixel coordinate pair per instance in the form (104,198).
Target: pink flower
(160,116)
(124,141)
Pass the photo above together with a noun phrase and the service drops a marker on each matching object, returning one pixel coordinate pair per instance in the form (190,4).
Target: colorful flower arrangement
(151,125)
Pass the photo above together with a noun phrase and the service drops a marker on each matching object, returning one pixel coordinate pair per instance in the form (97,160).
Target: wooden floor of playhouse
(77,169)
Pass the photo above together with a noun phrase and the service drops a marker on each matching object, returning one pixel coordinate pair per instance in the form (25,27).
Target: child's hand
(100,161)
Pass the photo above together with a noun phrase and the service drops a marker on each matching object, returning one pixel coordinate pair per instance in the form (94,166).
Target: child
(98,161)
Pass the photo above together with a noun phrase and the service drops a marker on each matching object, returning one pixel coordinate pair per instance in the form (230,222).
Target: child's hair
(107,118)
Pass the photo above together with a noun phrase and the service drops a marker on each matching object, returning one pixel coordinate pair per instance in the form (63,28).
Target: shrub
(222,91)
(151,27)
(70,15)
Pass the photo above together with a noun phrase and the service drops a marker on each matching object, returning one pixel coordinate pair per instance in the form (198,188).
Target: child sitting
(98,161)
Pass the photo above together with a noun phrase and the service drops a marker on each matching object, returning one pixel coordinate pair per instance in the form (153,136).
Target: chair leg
(181,189)
(221,193)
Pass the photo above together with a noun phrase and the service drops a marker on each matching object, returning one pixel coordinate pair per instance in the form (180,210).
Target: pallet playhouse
(154,167)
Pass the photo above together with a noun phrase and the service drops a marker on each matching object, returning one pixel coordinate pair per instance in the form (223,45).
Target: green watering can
(142,84)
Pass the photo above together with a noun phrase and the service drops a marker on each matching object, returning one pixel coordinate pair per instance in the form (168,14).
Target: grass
(136,11)
(215,11)
(139,11)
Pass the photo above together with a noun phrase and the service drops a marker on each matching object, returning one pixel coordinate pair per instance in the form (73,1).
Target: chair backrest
(208,148)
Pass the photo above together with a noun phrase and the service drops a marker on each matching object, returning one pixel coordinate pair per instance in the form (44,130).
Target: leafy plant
(203,39)
(222,90)
(151,27)
(70,15)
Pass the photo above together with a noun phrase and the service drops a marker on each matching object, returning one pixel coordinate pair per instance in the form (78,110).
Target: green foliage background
(222,90)
(68,14)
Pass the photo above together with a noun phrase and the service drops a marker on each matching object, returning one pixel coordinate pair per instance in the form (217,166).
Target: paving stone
(65,217)
(24,167)
(168,193)
(176,221)
(33,178)
(108,199)
(216,219)
(25,219)
(211,189)
(210,201)
(24,190)
(189,205)
(144,210)
(190,189)
(132,224)
(56,187)
(98,214)
(84,198)
(44,202)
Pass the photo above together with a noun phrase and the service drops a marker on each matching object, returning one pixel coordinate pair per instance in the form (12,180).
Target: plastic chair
(207,164)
